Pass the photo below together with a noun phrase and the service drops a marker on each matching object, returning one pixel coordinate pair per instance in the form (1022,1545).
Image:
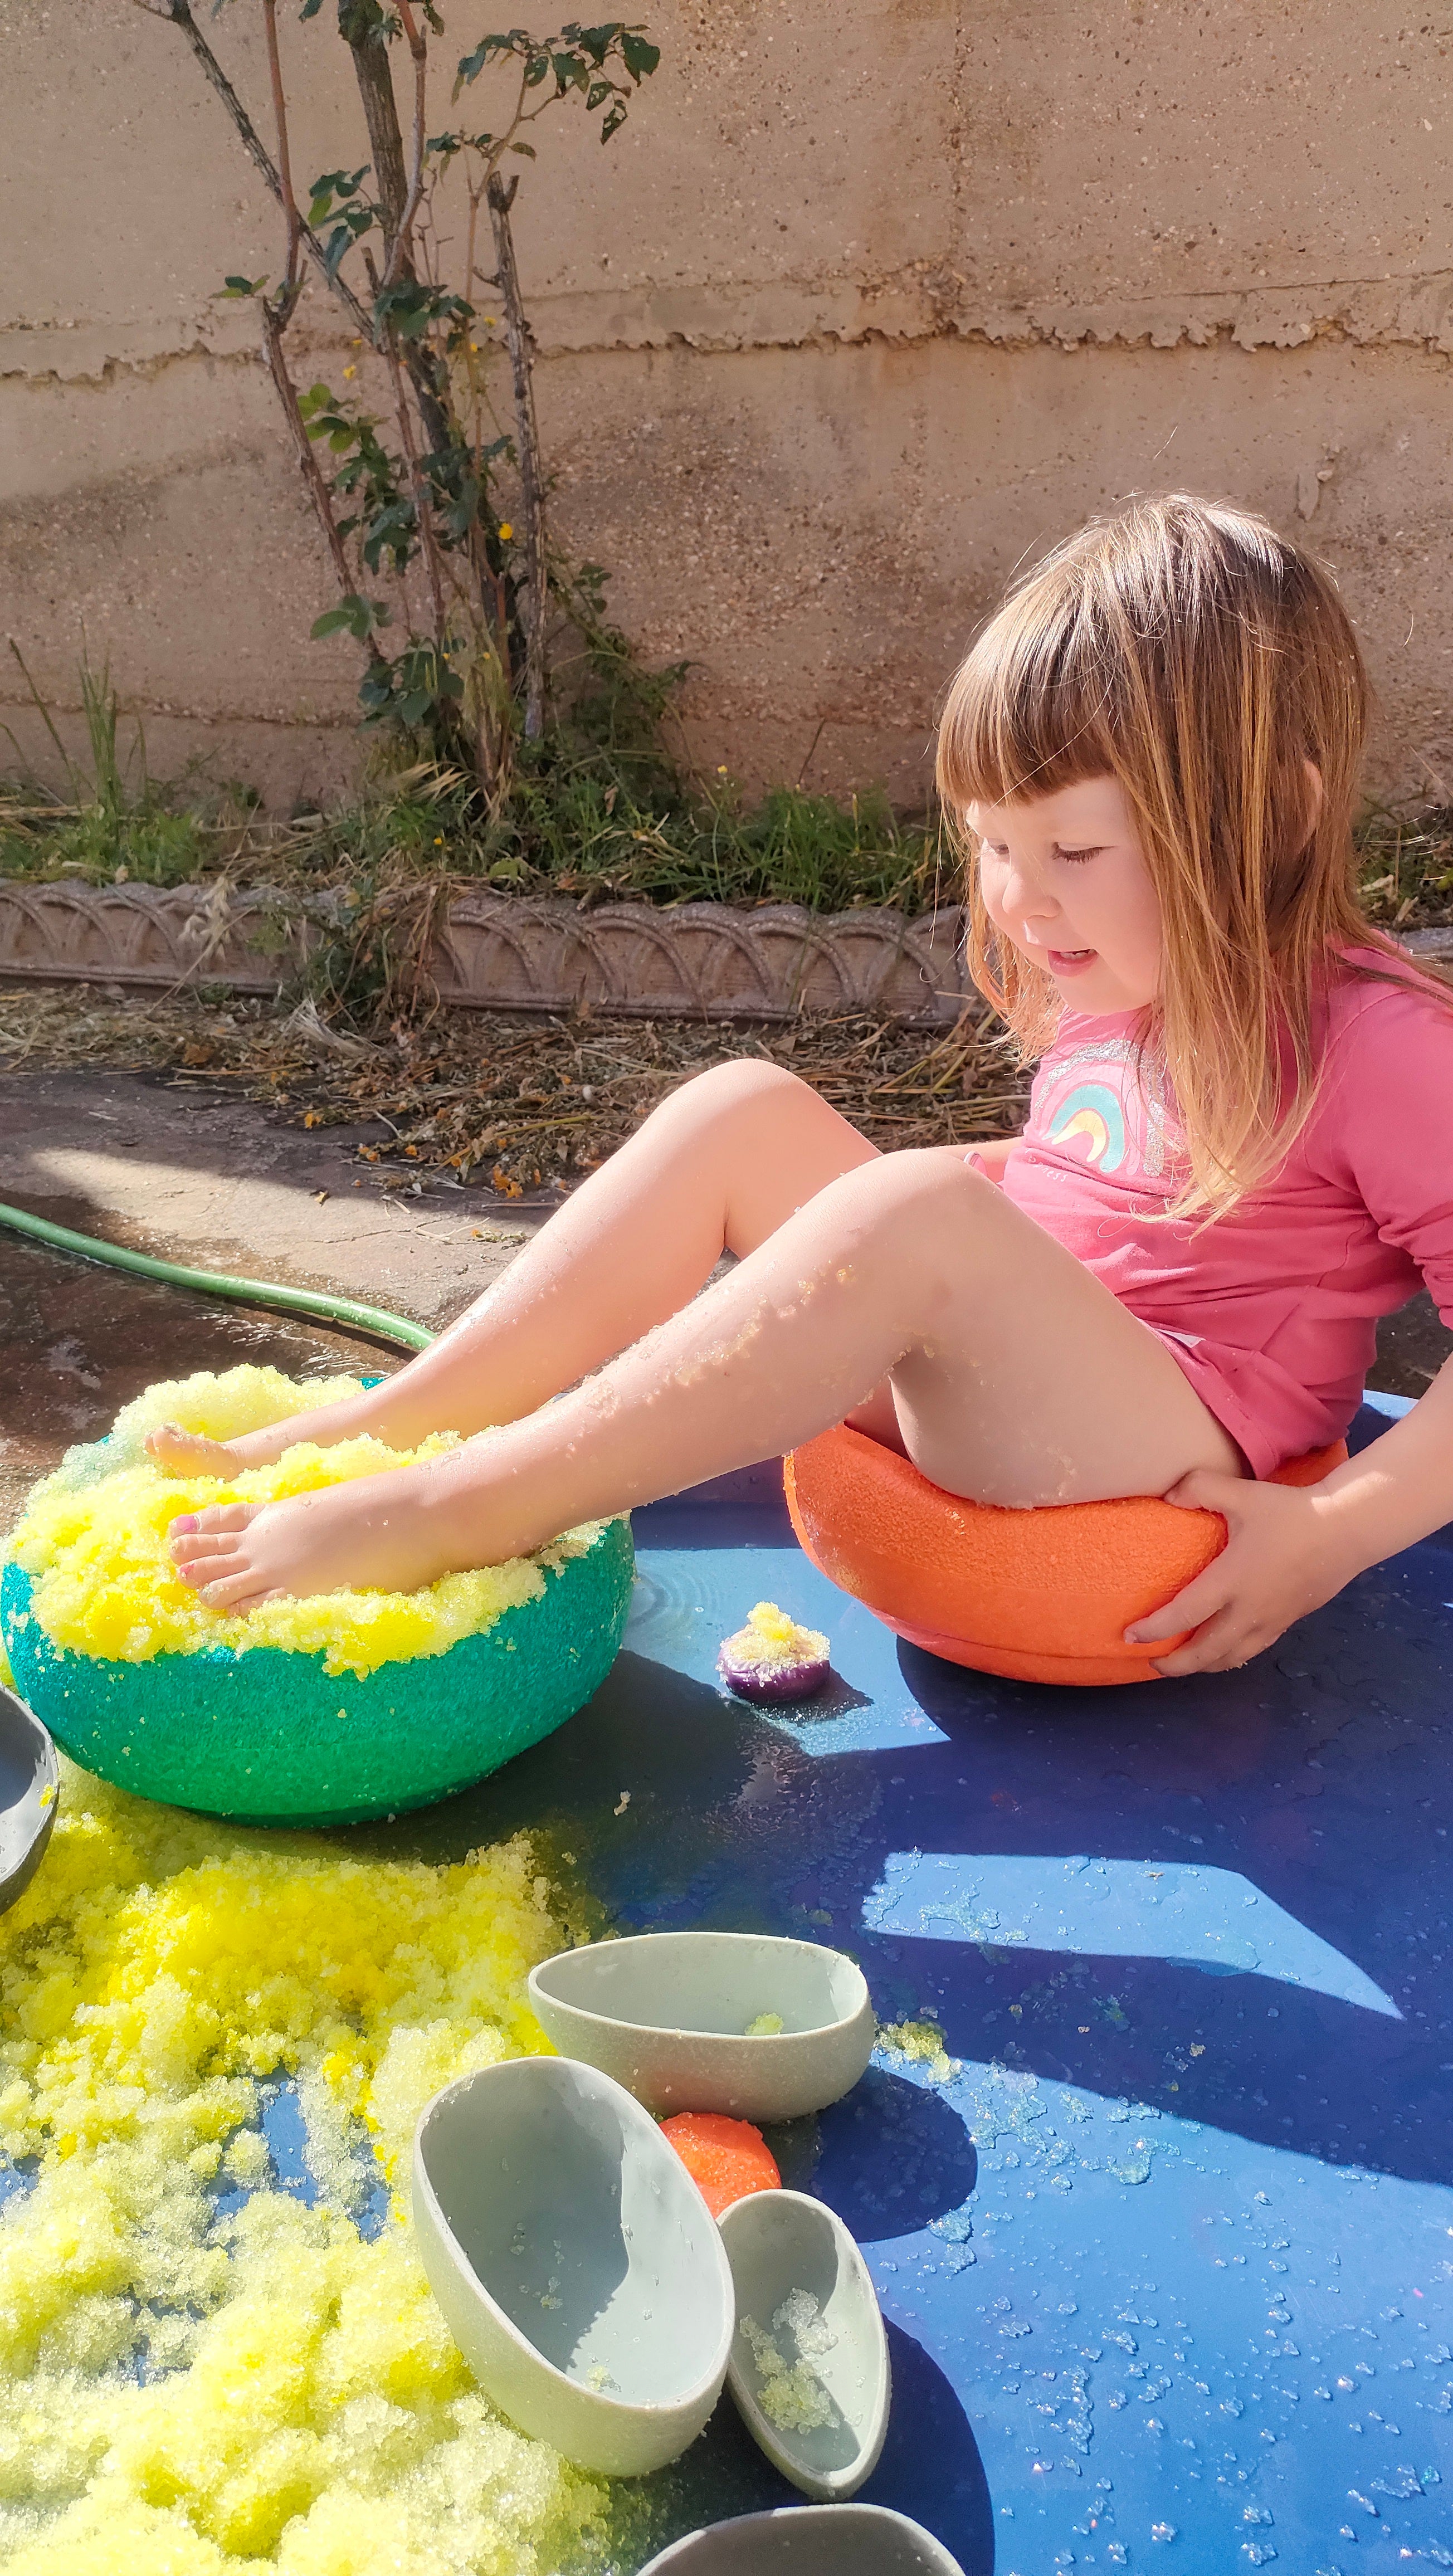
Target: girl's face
(1065,878)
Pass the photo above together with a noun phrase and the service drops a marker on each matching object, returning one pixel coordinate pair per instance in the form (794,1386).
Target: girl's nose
(1026,895)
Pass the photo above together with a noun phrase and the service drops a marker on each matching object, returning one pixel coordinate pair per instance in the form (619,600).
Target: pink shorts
(1270,1418)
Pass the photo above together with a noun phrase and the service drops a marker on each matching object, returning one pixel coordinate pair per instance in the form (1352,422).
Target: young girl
(1239,1153)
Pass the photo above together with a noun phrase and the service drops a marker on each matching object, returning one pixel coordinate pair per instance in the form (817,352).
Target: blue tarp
(1164,2231)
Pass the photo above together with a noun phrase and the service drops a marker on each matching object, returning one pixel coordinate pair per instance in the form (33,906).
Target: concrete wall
(869,298)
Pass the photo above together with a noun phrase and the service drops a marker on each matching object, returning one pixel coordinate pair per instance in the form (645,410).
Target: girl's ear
(1314,782)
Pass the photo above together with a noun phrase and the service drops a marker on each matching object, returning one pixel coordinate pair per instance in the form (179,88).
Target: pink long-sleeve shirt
(1272,1310)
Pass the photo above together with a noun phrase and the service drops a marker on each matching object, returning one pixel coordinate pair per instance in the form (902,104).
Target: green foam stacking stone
(267,1738)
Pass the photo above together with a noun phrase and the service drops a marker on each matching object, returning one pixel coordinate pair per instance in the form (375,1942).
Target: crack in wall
(922,303)
(160,709)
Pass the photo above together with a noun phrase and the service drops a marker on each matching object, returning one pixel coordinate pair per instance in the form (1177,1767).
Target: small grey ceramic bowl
(809,2360)
(30,1790)
(668,2014)
(809,2540)
(575,2260)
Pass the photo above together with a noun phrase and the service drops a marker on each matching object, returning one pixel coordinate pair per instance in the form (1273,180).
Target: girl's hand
(1280,1561)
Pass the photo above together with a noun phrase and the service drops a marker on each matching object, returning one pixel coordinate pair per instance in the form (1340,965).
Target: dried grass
(519,1102)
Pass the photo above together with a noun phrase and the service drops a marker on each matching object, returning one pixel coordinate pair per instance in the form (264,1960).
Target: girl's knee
(925,1205)
(928,1176)
(746,1083)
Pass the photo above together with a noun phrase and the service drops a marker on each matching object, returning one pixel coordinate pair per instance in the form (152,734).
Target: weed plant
(597,810)
(111,822)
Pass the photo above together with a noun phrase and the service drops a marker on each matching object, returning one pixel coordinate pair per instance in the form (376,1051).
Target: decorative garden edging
(510,952)
(523,952)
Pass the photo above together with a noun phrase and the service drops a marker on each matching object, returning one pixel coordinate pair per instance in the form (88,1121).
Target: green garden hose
(213,1283)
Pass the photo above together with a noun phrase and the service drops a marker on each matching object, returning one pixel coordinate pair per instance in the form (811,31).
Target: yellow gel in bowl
(94,1540)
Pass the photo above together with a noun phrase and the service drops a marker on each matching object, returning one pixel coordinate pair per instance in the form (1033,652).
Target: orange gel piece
(726,2159)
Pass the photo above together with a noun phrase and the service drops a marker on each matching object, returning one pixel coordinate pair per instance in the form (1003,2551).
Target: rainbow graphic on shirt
(1094,1111)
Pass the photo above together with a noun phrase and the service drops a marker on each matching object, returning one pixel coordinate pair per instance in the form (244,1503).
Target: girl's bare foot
(191,1453)
(376,1534)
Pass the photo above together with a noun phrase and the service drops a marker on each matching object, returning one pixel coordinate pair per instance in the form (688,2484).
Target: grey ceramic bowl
(809,2540)
(806,2308)
(30,1791)
(575,2260)
(667,2014)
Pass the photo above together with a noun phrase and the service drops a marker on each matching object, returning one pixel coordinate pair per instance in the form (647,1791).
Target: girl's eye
(1075,857)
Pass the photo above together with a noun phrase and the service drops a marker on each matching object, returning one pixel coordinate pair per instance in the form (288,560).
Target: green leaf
(615,116)
(598,92)
(527,150)
(331,184)
(472,64)
(535,70)
(354,615)
(310,8)
(236,287)
(639,57)
(597,41)
(570,72)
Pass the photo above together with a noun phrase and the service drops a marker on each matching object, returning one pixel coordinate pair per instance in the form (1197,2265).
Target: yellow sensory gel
(183,2394)
(93,1538)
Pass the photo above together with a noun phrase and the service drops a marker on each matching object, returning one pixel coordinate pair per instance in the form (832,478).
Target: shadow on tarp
(930,2468)
(1315,1781)
(1222,1903)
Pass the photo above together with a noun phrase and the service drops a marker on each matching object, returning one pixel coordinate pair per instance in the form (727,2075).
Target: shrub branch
(179,15)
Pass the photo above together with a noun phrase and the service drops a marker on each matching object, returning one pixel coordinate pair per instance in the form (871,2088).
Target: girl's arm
(1290,1549)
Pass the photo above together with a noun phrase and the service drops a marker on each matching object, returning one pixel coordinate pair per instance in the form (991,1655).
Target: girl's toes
(219,1520)
(204,1570)
(193,1555)
(239,1591)
(189,1453)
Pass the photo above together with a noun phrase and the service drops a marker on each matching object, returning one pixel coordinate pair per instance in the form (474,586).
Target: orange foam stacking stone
(1040,1596)
(725,2158)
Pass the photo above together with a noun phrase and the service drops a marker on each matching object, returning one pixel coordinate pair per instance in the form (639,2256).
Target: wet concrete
(1411,1348)
(189,1173)
(185,1170)
(79,1342)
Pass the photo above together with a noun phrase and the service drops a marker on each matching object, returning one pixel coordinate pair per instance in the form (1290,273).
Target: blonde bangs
(1026,714)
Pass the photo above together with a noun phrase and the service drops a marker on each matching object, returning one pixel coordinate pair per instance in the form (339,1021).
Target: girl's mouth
(1069,961)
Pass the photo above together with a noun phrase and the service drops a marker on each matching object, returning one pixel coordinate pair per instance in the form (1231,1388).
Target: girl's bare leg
(1016,1378)
(717,1167)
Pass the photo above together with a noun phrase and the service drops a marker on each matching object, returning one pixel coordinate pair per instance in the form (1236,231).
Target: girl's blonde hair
(1187,650)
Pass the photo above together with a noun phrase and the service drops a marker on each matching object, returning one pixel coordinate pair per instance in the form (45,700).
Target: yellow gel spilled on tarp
(922,2042)
(182,2396)
(94,1540)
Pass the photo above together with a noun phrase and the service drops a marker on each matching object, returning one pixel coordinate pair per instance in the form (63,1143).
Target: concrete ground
(189,1173)
(185,1171)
